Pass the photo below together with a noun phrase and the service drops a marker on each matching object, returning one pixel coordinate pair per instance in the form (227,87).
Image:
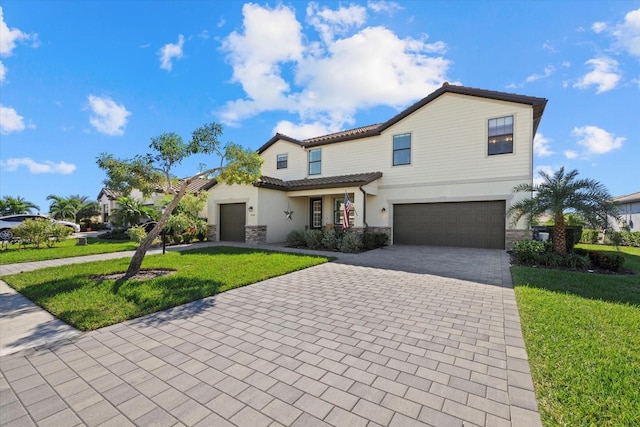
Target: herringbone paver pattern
(335,344)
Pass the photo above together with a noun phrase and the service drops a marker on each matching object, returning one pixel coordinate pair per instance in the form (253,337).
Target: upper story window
(402,149)
(281,160)
(315,161)
(500,135)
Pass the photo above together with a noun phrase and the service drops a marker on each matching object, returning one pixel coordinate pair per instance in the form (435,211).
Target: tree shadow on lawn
(619,289)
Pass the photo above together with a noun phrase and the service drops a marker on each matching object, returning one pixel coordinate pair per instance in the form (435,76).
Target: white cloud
(34,167)
(329,22)
(548,70)
(10,120)
(204,34)
(9,37)
(548,46)
(627,33)
(596,140)
(541,145)
(566,64)
(605,75)
(303,130)
(108,117)
(170,51)
(389,7)
(570,154)
(599,27)
(325,82)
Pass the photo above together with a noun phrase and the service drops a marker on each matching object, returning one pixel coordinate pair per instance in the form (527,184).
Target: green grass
(582,333)
(65,249)
(72,294)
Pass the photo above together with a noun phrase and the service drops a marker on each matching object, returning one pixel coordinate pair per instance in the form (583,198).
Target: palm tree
(16,206)
(562,192)
(64,208)
(86,208)
(131,211)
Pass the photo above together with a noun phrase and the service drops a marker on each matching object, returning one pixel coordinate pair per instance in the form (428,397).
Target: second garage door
(462,224)
(232,222)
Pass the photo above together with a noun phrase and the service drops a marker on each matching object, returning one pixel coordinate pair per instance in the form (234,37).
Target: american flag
(347,208)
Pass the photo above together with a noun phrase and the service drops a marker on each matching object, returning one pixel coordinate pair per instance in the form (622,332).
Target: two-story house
(440,172)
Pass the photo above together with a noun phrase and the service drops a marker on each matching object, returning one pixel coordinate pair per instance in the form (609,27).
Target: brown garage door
(232,221)
(462,224)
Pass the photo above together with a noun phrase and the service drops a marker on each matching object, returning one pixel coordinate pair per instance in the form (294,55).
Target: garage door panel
(232,222)
(463,224)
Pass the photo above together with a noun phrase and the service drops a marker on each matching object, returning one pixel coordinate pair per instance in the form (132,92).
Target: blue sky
(78,78)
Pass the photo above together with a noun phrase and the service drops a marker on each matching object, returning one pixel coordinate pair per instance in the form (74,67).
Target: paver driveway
(385,342)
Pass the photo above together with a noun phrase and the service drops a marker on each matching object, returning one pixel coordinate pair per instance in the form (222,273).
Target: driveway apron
(399,336)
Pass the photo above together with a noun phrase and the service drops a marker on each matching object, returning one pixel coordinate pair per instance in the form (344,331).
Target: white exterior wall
(449,163)
(270,212)
(296,161)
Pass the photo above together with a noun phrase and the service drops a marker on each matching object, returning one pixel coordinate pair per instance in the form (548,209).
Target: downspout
(364,209)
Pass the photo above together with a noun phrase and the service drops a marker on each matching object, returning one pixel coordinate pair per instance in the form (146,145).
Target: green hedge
(337,240)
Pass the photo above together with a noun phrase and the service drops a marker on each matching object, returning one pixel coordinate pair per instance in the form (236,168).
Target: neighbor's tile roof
(538,105)
(318,183)
(195,186)
(633,197)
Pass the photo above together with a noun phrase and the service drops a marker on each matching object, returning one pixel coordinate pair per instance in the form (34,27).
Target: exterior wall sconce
(383,210)
(250,208)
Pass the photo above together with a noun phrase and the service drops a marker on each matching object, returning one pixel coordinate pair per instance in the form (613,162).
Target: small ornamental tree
(560,193)
(154,170)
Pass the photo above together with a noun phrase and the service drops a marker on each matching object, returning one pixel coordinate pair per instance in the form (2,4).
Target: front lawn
(65,249)
(72,293)
(582,333)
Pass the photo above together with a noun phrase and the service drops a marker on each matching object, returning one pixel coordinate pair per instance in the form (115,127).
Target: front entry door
(316,214)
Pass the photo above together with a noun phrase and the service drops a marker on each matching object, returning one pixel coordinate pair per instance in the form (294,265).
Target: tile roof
(633,197)
(195,186)
(538,105)
(318,183)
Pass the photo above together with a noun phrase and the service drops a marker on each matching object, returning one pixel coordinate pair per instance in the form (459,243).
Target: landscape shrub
(631,238)
(295,239)
(351,242)
(576,261)
(137,234)
(573,236)
(527,252)
(313,239)
(607,260)
(589,236)
(331,240)
(550,259)
(616,238)
(37,231)
(373,240)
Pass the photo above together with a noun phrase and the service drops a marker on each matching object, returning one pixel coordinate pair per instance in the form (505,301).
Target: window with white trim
(281,161)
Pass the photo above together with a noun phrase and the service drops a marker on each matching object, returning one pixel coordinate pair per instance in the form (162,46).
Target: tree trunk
(559,235)
(141,251)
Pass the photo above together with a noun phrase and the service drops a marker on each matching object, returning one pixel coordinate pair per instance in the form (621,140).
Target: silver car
(10,221)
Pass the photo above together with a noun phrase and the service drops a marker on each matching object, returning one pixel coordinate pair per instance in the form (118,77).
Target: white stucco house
(629,207)
(108,199)
(440,172)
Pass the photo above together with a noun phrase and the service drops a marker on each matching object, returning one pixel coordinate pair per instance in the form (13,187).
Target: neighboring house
(629,207)
(440,172)
(109,199)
